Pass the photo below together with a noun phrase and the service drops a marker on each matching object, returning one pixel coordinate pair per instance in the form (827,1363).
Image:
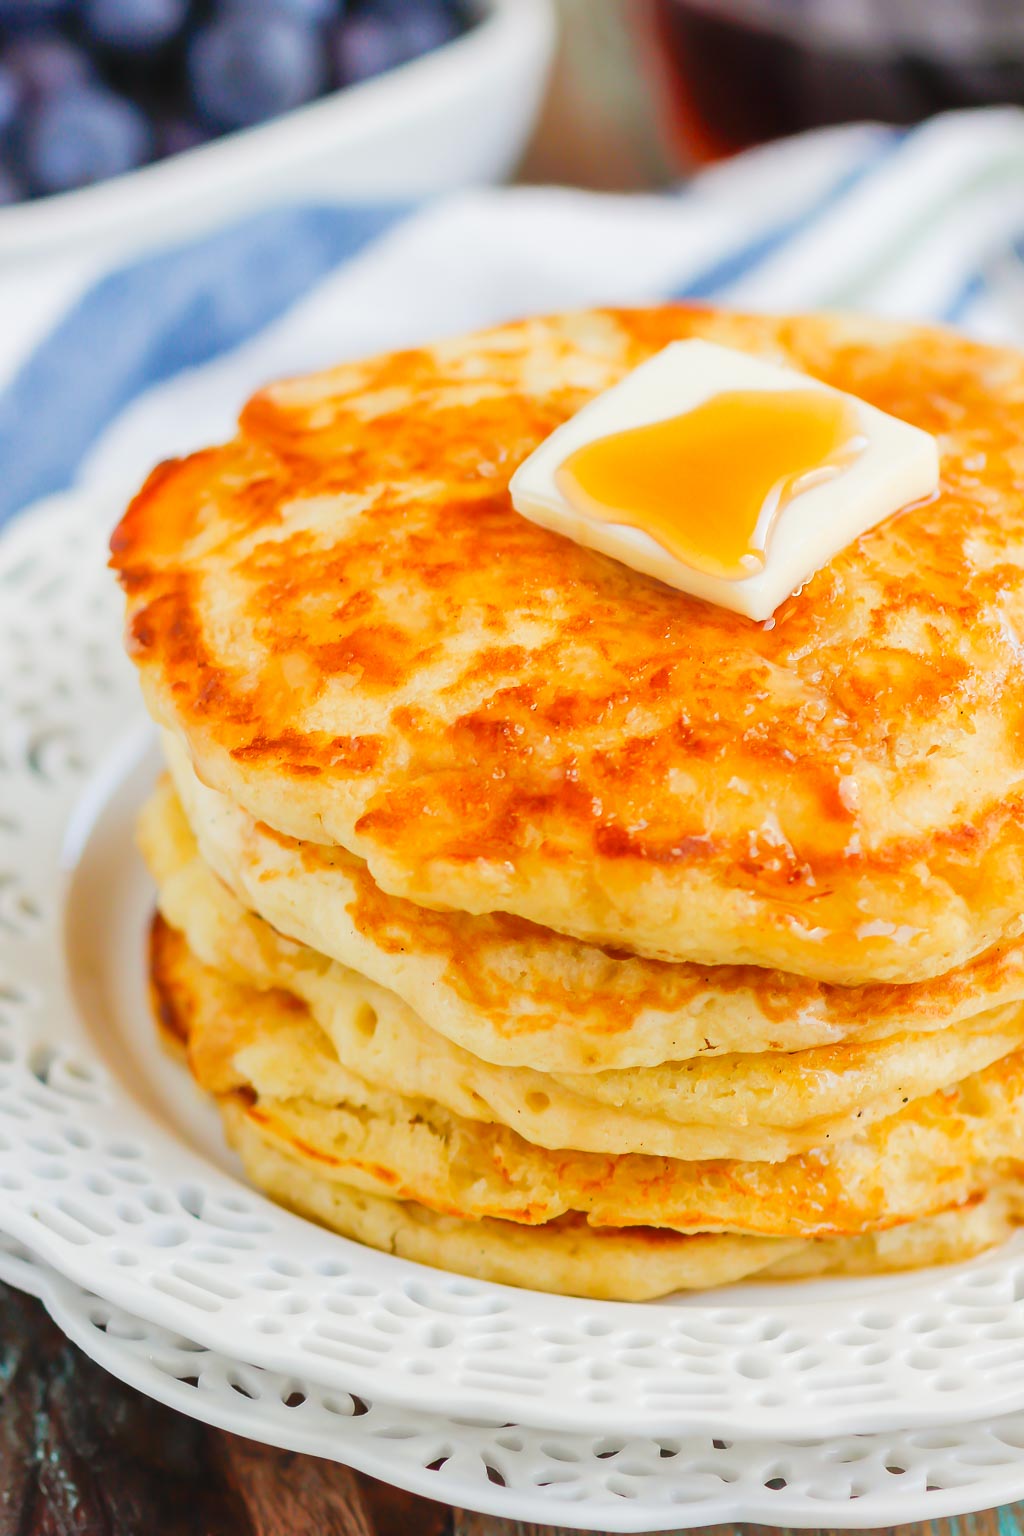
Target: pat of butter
(891,465)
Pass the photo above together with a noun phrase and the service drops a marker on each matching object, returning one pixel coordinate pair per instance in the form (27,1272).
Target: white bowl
(456,117)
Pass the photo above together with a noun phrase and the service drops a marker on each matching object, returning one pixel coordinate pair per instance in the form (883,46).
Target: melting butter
(723,474)
(683,481)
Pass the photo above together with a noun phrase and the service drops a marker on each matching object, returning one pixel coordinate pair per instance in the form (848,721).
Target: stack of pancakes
(529,918)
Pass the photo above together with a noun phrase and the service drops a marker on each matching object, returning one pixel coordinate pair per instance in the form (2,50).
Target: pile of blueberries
(92,88)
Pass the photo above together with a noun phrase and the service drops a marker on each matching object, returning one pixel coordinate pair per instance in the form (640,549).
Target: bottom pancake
(608,1264)
(208,1015)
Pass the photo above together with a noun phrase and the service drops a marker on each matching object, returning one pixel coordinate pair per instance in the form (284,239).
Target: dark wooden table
(82,1455)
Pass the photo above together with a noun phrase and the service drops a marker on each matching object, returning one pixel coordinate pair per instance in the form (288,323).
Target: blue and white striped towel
(103,374)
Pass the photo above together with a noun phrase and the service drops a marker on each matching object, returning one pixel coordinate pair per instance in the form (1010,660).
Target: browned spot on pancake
(304,1148)
(291,752)
(169,1010)
(378,655)
(280,838)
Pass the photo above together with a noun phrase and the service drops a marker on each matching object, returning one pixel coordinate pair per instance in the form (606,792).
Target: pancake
(943,1152)
(755,1107)
(516,994)
(567,1255)
(638,1264)
(363,644)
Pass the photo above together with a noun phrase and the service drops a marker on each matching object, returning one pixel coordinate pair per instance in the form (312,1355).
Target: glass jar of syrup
(740,72)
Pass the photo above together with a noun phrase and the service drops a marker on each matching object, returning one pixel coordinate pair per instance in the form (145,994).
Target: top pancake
(362,643)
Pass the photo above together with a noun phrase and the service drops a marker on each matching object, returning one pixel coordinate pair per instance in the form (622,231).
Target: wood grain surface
(82,1455)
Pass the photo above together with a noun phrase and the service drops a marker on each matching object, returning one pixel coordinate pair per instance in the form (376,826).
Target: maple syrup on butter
(708,485)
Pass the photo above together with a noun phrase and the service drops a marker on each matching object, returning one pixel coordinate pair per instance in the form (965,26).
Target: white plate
(114,1173)
(603,1482)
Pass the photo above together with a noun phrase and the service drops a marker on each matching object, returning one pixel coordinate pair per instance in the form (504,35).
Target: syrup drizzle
(709,485)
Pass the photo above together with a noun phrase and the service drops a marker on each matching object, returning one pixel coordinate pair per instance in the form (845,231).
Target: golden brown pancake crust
(220,1023)
(521,995)
(942,1152)
(762,1106)
(363,643)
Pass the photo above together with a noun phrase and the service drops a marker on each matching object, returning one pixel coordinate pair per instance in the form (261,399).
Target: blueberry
(308,12)
(10,99)
(11,190)
(43,63)
(134,25)
(377,40)
(244,68)
(16,14)
(177,134)
(83,136)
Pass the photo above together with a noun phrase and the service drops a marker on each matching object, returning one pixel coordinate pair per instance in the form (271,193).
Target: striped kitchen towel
(103,374)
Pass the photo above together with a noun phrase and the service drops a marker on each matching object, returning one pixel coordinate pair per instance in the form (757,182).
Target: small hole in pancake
(537,1101)
(972,1099)
(365,1021)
